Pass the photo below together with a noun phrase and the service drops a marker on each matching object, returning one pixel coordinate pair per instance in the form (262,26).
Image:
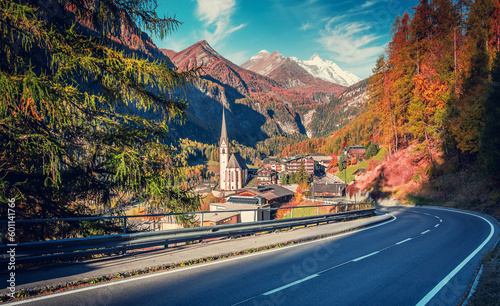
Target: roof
(294,158)
(216,216)
(236,161)
(321,158)
(318,154)
(270,192)
(271,171)
(243,200)
(235,206)
(328,188)
(359,171)
(292,187)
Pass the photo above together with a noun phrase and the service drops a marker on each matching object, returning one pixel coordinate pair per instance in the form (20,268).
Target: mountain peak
(315,56)
(262,55)
(328,71)
(203,43)
(277,55)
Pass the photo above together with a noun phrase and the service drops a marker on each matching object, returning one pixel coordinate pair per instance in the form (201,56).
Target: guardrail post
(125,225)
(317,214)
(201,223)
(292,213)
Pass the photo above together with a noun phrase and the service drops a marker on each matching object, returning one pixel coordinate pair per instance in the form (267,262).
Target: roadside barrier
(63,249)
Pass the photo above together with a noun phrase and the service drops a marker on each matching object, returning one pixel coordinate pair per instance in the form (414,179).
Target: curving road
(421,256)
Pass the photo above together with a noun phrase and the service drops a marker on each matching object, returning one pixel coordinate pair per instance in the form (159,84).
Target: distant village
(249,195)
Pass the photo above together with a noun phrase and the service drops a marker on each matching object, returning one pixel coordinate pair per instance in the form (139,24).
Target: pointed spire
(223,133)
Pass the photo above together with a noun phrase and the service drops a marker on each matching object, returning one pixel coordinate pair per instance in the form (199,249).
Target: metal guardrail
(123,220)
(32,252)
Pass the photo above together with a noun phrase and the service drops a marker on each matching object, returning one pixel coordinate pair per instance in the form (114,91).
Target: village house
(219,218)
(248,208)
(292,164)
(273,194)
(322,161)
(269,196)
(327,190)
(267,176)
(355,152)
(275,164)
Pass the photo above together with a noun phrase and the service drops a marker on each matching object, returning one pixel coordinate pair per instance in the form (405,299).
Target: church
(233,171)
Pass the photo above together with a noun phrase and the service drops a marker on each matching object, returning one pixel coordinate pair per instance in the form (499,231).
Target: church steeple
(224,155)
(223,133)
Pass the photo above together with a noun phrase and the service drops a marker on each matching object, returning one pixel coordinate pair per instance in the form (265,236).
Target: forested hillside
(435,93)
(339,112)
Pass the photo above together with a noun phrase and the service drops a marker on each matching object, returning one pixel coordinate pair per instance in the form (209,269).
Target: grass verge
(487,291)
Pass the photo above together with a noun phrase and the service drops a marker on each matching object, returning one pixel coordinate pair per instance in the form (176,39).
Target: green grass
(363,165)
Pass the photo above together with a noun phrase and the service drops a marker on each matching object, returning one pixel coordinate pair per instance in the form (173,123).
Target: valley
(277,101)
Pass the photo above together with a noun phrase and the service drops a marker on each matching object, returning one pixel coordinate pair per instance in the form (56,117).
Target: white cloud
(368,3)
(217,13)
(351,43)
(306,26)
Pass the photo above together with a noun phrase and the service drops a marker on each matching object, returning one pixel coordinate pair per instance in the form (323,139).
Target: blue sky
(350,33)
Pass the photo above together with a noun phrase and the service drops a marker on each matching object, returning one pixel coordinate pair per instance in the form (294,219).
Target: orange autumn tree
(427,106)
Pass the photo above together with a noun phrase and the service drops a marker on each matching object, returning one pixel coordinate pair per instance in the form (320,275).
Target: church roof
(223,133)
(236,161)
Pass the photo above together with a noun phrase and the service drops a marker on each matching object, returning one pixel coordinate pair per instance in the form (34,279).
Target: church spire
(223,133)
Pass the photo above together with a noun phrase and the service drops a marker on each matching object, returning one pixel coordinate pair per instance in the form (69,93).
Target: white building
(233,171)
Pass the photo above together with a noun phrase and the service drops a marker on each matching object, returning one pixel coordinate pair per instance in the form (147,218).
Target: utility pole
(345,177)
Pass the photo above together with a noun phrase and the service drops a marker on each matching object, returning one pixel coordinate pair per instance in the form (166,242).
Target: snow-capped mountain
(291,75)
(327,70)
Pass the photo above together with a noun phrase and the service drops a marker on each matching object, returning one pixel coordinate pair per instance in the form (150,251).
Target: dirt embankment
(397,175)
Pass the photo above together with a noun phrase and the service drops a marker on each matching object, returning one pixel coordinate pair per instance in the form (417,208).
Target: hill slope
(257,106)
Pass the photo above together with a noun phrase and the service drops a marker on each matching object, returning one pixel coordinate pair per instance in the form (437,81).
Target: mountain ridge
(267,63)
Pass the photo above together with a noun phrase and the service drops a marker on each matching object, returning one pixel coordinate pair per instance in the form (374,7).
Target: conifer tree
(69,133)
(490,133)
(302,176)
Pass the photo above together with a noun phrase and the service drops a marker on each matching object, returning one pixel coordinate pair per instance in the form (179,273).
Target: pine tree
(490,133)
(69,94)
(302,176)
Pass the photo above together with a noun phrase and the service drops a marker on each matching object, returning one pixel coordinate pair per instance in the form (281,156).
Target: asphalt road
(421,256)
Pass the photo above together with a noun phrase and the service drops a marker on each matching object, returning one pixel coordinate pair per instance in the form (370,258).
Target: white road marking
(448,277)
(155,274)
(436,225)
(425,232)
(291,284)
(401,242)
(363,257)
